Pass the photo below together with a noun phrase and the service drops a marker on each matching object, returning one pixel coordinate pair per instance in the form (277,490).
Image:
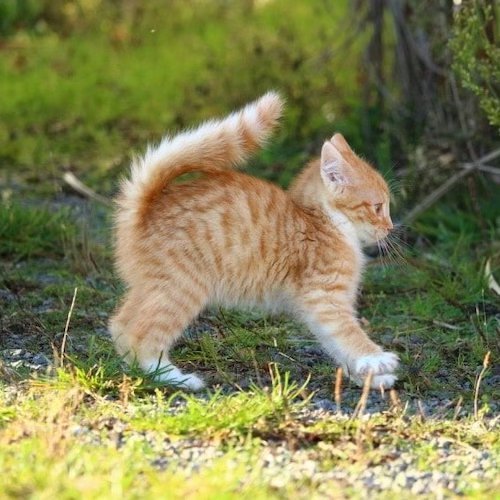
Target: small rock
(325,404)
(13,354)
(40,359)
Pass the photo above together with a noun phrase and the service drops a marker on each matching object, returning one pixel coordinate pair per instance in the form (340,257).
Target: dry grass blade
(458,408)
(68,319)
(361,406)
(492,282)
(7,374)
(486,363)
(395,401)
(421,410)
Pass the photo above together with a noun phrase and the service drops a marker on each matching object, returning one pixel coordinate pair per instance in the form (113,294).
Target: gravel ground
(458,467)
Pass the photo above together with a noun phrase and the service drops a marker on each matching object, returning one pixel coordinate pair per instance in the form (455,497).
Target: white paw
(382,367)
(182,380)
(377,364)
(384,381)
(171,375)
(192,382)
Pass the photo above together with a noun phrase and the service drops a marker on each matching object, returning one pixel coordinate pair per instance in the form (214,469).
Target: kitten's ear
(334,169)
(341,144)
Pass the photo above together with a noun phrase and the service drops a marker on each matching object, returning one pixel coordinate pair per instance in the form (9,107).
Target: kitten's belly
(272,302)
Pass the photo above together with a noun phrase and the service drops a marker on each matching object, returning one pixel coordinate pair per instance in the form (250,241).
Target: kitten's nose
(390,225)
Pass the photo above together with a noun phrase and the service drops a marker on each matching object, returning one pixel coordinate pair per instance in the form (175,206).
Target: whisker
(381,254)
(398,237)
(397,250)
(400,243)
(392,251)
(395,185)
(401,228)
(387,256)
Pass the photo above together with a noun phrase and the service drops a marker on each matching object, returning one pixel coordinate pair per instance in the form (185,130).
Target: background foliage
(84,80)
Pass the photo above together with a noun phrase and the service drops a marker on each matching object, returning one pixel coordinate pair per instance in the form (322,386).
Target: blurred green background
(84,84)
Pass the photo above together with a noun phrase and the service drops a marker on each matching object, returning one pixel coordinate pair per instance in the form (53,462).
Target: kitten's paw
(192,382)
(382,367)
(188,381)
(377,364)
(383,381)
(171,375)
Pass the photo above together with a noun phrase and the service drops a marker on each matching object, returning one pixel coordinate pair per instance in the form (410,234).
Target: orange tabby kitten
(229,239)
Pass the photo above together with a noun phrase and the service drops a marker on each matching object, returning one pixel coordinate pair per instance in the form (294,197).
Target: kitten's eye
(378,208)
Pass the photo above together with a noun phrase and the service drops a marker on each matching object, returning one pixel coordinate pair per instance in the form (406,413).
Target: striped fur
(229,239)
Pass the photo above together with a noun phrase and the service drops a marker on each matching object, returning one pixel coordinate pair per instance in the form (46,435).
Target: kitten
(229,239)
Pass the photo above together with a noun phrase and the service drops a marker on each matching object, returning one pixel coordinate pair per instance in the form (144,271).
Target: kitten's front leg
(339,332)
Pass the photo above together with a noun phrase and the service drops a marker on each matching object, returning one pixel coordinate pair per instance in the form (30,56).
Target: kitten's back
(214,146)
(236,231)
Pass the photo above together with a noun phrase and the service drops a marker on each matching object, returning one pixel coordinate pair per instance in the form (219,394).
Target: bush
(476,50)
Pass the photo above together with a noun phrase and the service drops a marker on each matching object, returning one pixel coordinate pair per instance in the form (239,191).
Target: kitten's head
(356,190)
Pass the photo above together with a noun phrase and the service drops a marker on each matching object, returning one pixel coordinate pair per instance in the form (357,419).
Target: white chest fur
(348,232)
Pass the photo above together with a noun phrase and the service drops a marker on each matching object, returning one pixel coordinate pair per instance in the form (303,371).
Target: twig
(470,146)
(485,168)
(486,158)
(84,190)
(420,52)
(433,197)
(486,363)
(68,319)
(461,117)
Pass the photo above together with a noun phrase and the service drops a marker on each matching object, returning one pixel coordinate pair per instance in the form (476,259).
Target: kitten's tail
(214,146)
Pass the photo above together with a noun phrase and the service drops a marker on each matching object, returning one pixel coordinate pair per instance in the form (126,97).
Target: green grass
(91,427)
(94,428)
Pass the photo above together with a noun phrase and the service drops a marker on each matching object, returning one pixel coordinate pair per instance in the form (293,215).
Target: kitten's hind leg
(148,323)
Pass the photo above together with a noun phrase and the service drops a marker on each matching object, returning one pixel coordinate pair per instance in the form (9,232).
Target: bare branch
(84,190)
(433,197)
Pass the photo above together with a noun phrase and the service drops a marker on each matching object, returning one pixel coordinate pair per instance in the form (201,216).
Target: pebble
(21,358)
(325,404)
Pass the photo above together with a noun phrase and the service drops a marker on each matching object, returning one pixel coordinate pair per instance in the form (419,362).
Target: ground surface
(269,425)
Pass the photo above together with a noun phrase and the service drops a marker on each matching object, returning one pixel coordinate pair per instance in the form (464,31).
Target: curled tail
(214,146)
